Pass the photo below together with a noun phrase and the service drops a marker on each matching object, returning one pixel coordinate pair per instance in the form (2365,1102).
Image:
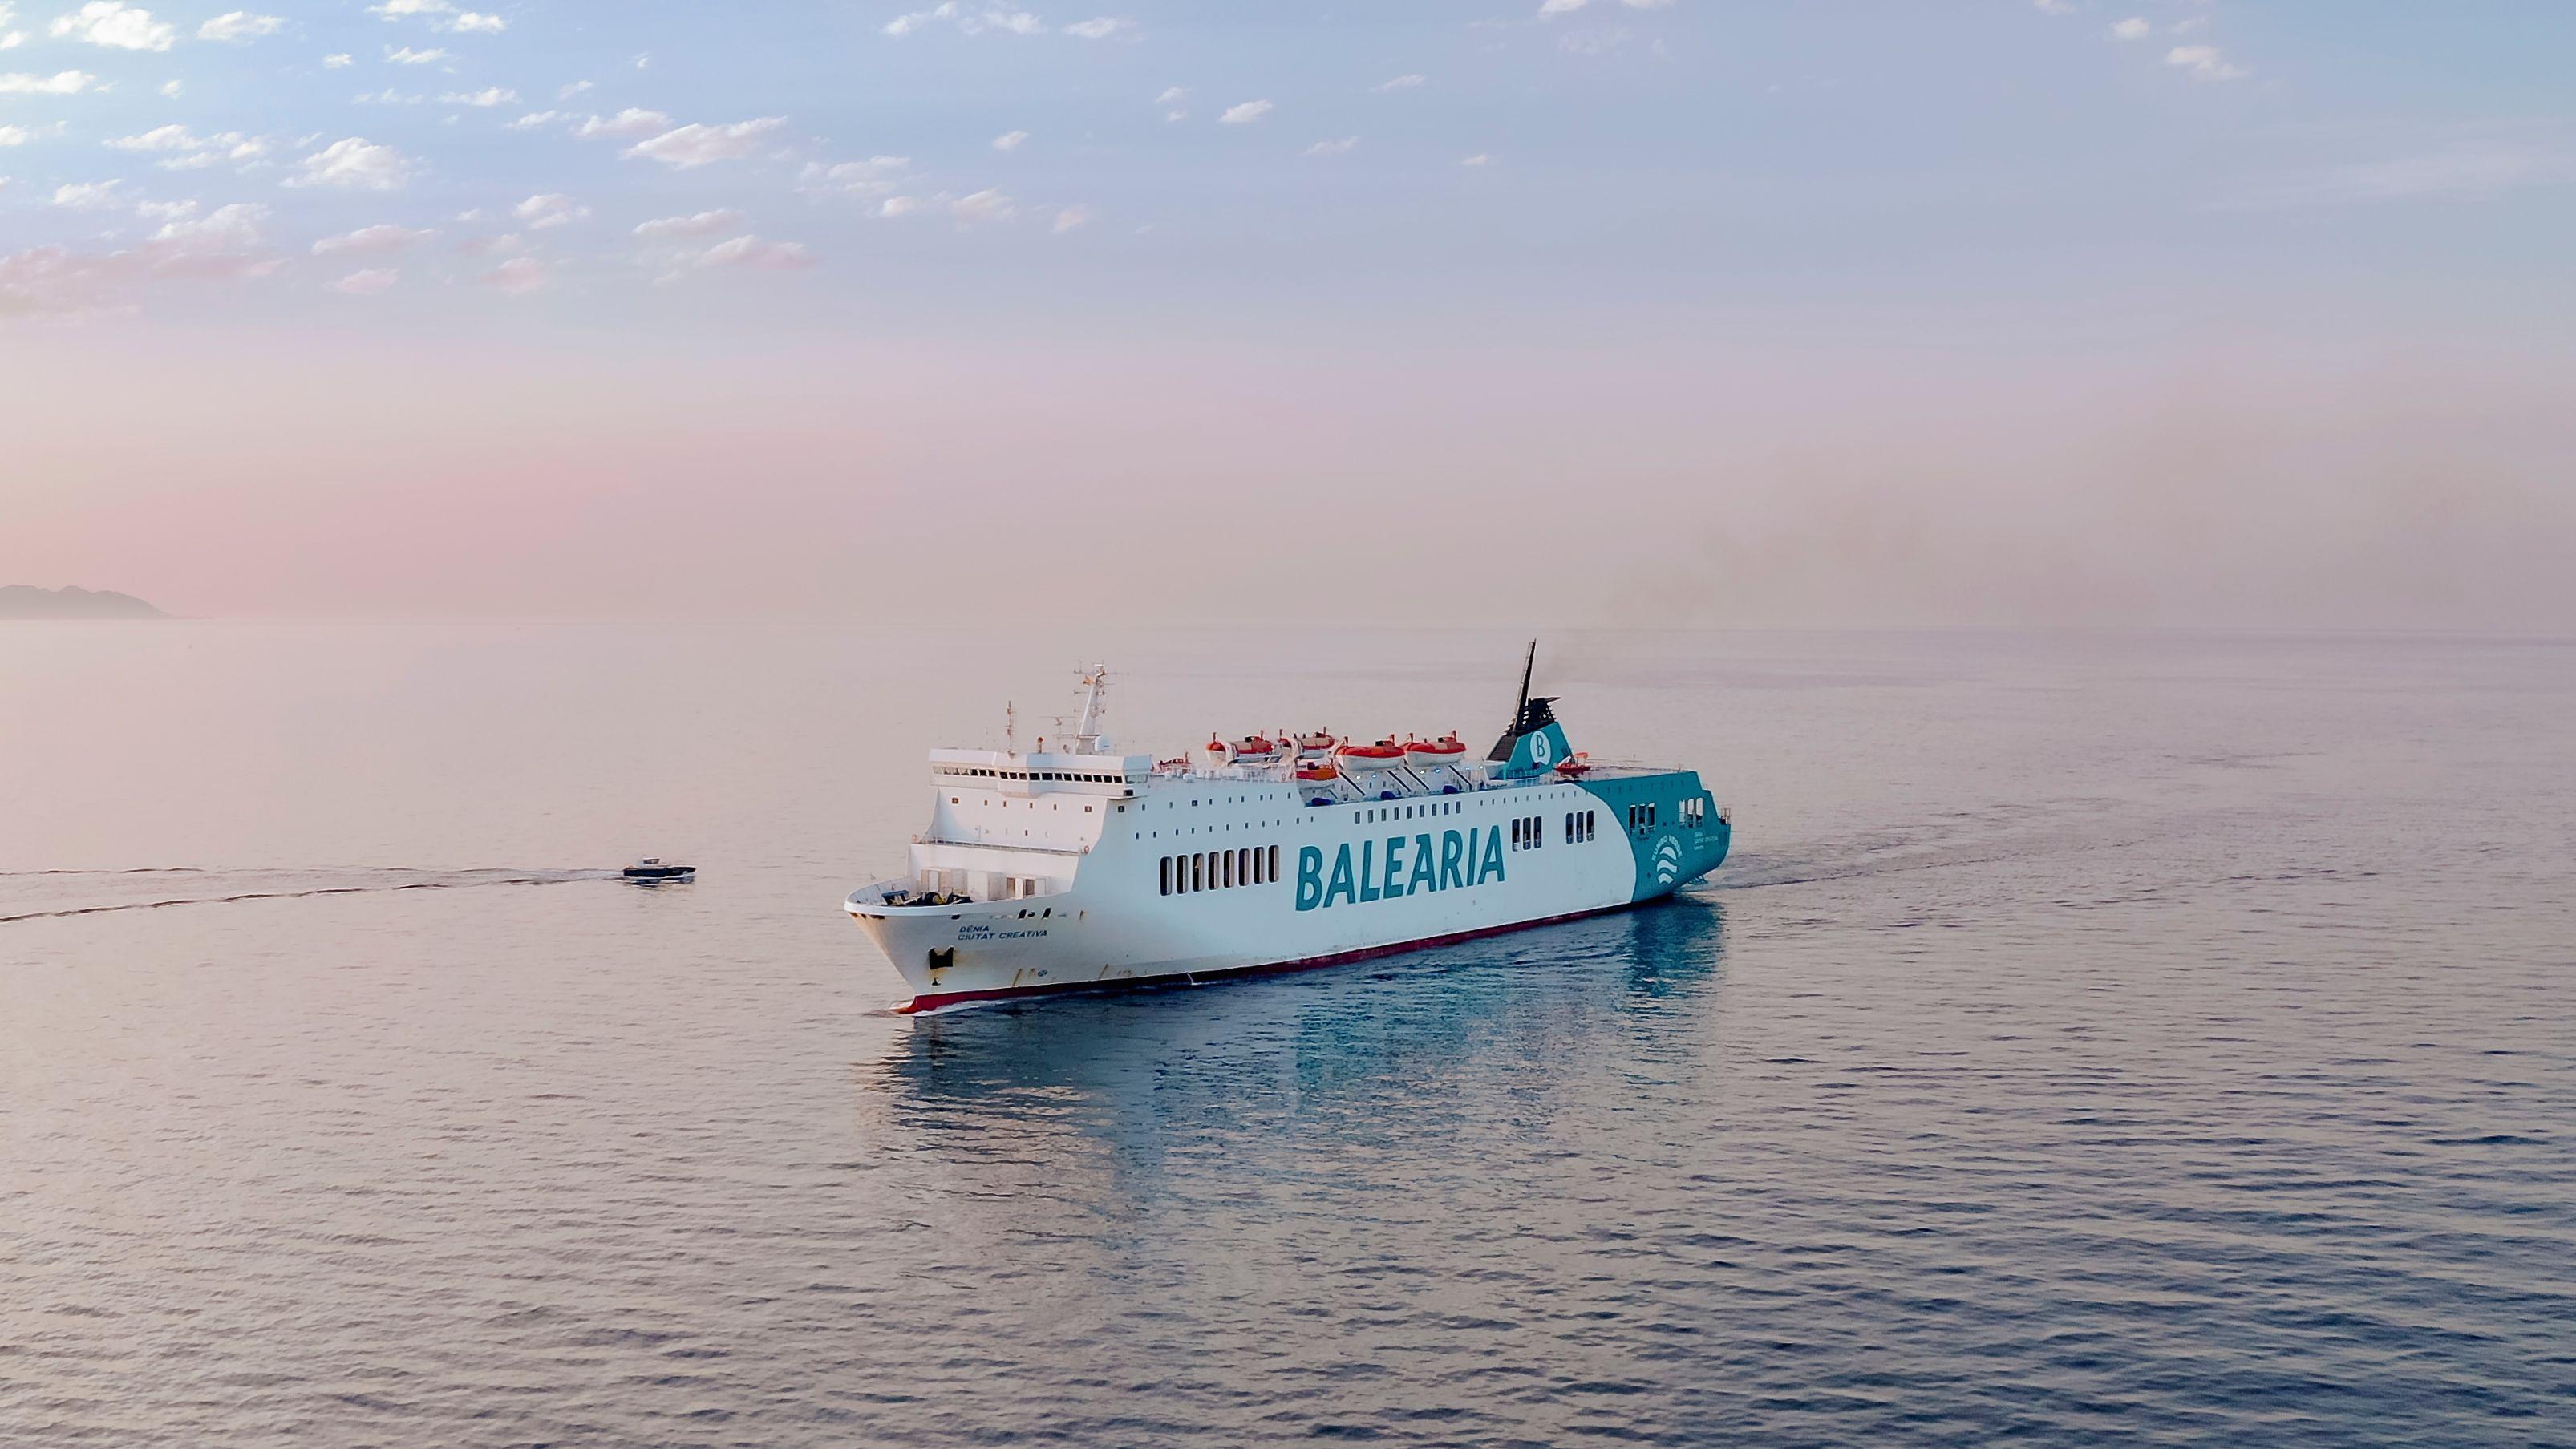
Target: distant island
(26,601)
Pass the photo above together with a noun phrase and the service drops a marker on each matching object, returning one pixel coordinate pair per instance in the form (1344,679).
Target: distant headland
(26,601)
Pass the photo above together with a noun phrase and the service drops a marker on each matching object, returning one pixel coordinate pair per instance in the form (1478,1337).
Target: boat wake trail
(295,884)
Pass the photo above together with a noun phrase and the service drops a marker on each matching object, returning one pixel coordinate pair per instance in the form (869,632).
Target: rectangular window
(1198,871)
(1167,875)
(1274,862)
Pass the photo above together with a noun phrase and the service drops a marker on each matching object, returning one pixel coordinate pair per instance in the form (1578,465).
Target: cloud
(341,61)
(1071,217)
(382,239)
(405,55)
(355,164)
(535,120)
(88,195)
(2205,62)
(236,26)
(551,209)
(699,145)
(875,176)
(626,123)
(397,9)
(2478,171)
(225,229)
(1550,9)
(972,20)
(183,150)
(468,22)
(172,137)
(1332,148)
(1099,29)
(2054,7)
(21,135)
(574,89)
(1245,114)
(517,276)
(488,96)
(899,206)
(366,283)
(173,88)
(1479,159)
(751,253)
(2133,28)
(55,279)
(704,223)
(982,206)
(1400,83)
(114,24)
(60,83)
(1009,140)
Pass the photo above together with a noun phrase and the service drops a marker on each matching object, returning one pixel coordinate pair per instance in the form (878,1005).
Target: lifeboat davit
(1316,746)
(1384,755)
(1446,750)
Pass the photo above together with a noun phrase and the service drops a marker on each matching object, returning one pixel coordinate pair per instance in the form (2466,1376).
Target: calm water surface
(2097,1038)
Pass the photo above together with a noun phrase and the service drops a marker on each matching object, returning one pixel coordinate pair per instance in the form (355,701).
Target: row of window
(1641,817)
(1214,870)
(1693,812)
(1408,812)
(1526,834)
(1578,825)
(978,772)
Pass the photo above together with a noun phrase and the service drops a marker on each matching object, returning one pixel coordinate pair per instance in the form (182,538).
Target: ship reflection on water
(1382,1043)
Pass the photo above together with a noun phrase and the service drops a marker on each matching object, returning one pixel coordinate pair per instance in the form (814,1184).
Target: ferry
(1082,868)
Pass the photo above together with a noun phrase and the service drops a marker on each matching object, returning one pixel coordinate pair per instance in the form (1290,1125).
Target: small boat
(1384,755)
(1254,750)
(651,870)
(1446,750)
(1575,765)
(1316,746)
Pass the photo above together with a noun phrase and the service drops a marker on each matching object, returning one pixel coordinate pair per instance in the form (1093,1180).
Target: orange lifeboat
(1574,765)
(1446,750)
(1317,774)
(1316,746)
(1384,755)
(1255,750)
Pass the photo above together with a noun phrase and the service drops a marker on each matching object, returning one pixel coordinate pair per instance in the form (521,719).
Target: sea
(2096,1038)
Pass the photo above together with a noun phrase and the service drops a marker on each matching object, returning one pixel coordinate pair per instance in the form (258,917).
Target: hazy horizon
(2130,314)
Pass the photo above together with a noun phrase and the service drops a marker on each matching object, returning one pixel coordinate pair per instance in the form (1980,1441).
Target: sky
(2137,312)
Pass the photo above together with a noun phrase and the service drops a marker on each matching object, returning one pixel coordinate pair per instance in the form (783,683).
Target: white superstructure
(1083,867)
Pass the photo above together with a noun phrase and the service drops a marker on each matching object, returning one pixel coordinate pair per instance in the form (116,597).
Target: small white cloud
(875,176)
(173,88)
(1645,4)
(982,206)
(1071,217)
(397,9)
(60,83)
(2054,7)
(235,26)
(704,223)
(488,96)
(1172,96)
(1479,159)
(536,120)
(1334,147)
(516,276)
(627,123)
(1400,83)
(1245,114)
(405,55)
(1099,29)
(756,255)
(20,135)
(899,206)
(116,25)
(165,210)
(2205,62)
(354,164)
(699,145)
(1009,140)
(574,89)
(88,195)
(341,61)
(366,283)
(1554,8)
(382,239)
(549,210)
(974,20)
(226,228)
(172,137)
(467,22)
(2133,28)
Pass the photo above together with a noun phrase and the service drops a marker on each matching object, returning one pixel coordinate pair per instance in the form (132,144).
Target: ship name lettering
(1396,867)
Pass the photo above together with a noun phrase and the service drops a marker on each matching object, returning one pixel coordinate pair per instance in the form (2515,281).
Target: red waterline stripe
(1273,968)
